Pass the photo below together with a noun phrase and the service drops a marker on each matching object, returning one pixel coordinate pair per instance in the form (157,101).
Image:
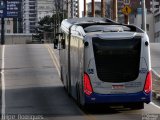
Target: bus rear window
(117,60)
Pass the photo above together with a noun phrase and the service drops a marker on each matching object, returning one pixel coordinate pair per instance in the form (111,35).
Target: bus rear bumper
(118,98)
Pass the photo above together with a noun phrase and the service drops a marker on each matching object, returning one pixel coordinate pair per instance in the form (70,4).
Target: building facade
(8,26)
(45,8)
(29,15)
(156,10)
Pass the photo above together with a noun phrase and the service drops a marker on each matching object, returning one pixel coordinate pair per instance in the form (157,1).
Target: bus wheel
(67,84)
(61,75)
(78,95)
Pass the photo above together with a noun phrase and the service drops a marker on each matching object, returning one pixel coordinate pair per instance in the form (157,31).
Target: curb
(156,79)
(155,95)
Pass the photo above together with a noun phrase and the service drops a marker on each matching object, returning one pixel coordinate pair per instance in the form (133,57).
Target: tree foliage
(45,20)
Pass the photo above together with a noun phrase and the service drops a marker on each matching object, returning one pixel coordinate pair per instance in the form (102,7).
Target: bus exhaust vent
(117,60)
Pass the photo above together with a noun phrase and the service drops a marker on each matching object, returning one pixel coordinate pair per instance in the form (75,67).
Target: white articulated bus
(104,62)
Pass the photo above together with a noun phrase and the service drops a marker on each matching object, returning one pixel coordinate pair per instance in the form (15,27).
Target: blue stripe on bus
(118,98)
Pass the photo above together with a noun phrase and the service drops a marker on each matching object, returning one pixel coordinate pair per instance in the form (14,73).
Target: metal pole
(115,10)
(67,3)
(103,9)
(143,15)
(126,19)
(72,8)
(93,8)
(85,11)
(2,31)
(78,8)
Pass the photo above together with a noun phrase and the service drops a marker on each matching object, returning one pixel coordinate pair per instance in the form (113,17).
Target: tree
(45,20)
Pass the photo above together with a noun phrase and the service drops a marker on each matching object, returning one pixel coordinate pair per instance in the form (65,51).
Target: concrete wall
(150,22)
(18,38)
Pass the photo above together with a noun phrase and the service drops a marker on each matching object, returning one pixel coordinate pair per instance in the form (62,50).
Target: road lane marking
(54,55)
(155,105)
(3,82)
(86,116)
(54,60)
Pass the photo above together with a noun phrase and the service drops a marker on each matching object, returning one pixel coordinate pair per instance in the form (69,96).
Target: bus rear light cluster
(148,83)
(87,87)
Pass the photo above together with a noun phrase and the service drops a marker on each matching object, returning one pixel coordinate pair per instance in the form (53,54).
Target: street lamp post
(103,8)
(143,15)
(115,10)
(93,8)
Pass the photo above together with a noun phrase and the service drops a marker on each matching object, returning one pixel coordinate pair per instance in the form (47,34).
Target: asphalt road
(32,87)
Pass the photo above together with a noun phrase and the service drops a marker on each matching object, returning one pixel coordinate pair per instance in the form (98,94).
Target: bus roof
(90,21)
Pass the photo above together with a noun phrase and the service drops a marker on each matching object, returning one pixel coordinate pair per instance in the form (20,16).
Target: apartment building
(8,25)
(45,8)
(156,10)
(29,16)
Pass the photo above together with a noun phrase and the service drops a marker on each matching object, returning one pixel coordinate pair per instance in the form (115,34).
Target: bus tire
(68,87)
(78,95)
(61,76)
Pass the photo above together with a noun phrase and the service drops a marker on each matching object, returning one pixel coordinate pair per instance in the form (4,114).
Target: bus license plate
(118,87)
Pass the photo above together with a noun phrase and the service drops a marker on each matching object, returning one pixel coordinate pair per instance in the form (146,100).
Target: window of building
(157,18)
(156,6)
(8,22)
(157,34)
(8,31)
(32,15)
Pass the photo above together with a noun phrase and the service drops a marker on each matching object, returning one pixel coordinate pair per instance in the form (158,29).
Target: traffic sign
(126,10)
(10,8)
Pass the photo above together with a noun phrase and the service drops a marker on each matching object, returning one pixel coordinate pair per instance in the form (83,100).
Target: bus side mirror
(63,43)
(55,43)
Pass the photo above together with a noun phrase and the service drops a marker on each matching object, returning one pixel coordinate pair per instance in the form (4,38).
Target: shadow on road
(42,101)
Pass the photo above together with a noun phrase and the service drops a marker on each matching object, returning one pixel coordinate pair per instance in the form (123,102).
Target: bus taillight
(148,83)
(87,87)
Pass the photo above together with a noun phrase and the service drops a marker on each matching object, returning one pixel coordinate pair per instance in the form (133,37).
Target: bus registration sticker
(118,87)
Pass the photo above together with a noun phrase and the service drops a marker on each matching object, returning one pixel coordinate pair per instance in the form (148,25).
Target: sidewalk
(156,84)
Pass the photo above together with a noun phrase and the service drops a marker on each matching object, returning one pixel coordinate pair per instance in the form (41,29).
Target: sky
(81,5)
